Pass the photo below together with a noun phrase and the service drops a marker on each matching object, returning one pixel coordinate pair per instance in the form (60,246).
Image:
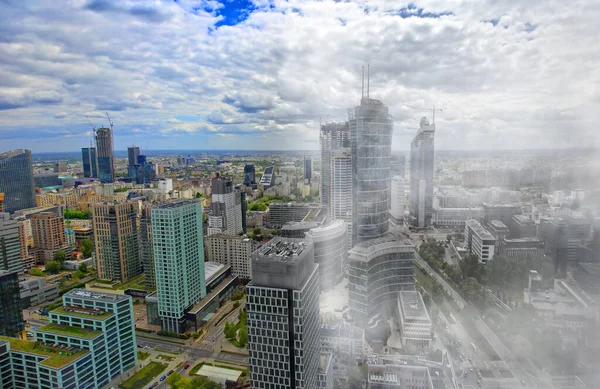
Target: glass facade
(333,136)
(90,164)
(104,148)
(16,180)
(11,316)
(421,175)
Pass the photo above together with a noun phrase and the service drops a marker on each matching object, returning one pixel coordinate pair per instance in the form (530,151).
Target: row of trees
(237,333)
(177,381)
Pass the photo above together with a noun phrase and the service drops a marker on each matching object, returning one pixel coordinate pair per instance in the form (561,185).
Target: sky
(262,74)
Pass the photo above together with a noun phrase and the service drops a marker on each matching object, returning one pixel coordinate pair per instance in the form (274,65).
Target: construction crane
(110,122)
(433,109)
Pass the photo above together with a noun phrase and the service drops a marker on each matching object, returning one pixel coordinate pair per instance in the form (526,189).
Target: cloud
(263,73)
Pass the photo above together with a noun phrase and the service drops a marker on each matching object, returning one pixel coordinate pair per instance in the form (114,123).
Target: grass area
(57,358)
(144,376)
(165,358)
(134,283)
(143,355)
(137,334)
(69,330)
(195,369)
(167,351)
(63,311)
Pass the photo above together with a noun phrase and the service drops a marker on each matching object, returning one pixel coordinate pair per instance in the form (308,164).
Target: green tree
(473,292)
(243,336)
(36,272)
(60,256)
(87,247)
(83,268)
(53,267)
(437,291)
(78,274)
(471,267)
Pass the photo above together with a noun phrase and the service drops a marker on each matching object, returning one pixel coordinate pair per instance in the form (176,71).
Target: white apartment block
(398,198)
(232,250)
(415,323)
(479,241)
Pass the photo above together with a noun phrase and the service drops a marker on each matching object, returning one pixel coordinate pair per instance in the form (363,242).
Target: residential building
(11,314)
(520,249)
(116,240)
(371,143)
(422,151)
(105,154)
(333,136)
(340,187)
(10,245)
(49,236)
(89,340)
(283,315)
(178,260)
(16,180)
(307,168)
(398,198)
(146,246)
(479,241)
(90,163)
(232,250)
(330,252)
(249,175)
(26,242)
(268,178)
(225,212)
(522,227)
(377,270)
(416,328)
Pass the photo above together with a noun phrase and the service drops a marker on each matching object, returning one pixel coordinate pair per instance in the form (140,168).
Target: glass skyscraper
(421,175)
(16,180)
(371,143)
(90,164)
(11,316)
(333,136)
(106,159)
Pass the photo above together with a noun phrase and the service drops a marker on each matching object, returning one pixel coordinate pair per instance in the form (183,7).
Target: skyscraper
(421,175)
(249,175)
(105,154)
(225,213)
(398,197)
(16,180)
(371,138)
(10,245)
(331,252)
(307,168)
(116,236)
(283,316)
(133,153)
(11,314)
(178,260)
(90,163)
(333,136)
(340,187)
(49,235)
(146,250)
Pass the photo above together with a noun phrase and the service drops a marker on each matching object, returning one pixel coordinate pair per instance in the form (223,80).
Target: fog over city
(260,74)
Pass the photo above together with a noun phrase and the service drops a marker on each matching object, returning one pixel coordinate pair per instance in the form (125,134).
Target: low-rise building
(479,241)
(455,217)
(521,248)
(522,227)
(36,291)
(416,328)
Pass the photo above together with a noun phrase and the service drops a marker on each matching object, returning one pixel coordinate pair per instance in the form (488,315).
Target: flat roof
(211,269)
(479,230)
(70,331)
(175,203)
(219,374)
(592,268)
(497,224)
(56,357)
(99,296)
(412,305)
(523,219)
(87,315)
(282,249)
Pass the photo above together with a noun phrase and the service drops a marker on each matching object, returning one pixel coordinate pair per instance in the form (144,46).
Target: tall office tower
(105,154)
(10,245)
(232,250)
(178,260)
(421,175)
(268,178)
(398,197)
(371,143)
(11,314)
(225,213)
(398,165)
(89,340)
(331,252)
(249,175)
(340,187)
(147,252)
(1,202)
(49,236)
(377,270)
(116,239)
(283,316)
(133,153)
(333,136)
(16,180)
(90,163)
(307,168)
(244,204)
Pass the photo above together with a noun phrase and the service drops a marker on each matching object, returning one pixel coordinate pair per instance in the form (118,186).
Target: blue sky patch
(187,118)
(411,10)
(232,12)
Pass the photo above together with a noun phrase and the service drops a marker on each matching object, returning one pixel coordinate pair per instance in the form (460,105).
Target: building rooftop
(369,246)
(70,331)
(592,268)
(211,269)
(412,305)
(280,249)
(522,219)
(295,226)
(57,357)
(175,203)
(479,230)
(81,312)
(100,296)
(530,239)
(498,225)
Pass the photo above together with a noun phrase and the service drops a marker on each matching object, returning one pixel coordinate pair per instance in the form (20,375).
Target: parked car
(170,372)
(186,366)
(163,378)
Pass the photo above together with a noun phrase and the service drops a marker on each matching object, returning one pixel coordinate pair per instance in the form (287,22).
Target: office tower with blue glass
(249,175)
(105,154)
(421,175)
(178,260)
(90,163)
(16,180)
(11,314)
(133,153)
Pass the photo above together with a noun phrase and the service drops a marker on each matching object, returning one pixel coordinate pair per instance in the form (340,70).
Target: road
(451,292)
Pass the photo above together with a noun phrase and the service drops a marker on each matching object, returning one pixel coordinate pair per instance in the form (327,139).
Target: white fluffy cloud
(199,74)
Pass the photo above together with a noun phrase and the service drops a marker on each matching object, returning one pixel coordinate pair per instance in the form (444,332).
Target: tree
(243,336)
(53,267)
(83,268)
(87,247)
(471,267)
(78,274)
(36,272)
(473,291)
(448,238)
(60,256)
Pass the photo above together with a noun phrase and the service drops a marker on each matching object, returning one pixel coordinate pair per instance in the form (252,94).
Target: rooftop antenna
(368,78)
(362,91)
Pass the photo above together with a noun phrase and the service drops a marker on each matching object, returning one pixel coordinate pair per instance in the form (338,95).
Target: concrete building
(1,202)
(521,248)
(522,227)
(422,151)
(399,376)
(26,242)
(333,136)
(268,178)
(178,260)
(146,246)
(225,212)
(340,191)
(11,315)
(502,212)
(563,239)
(499,231)
(283,316)
(88,341)
(479,241)
(331,252)
(346,342)
(90,163)
(398,199)
(371,128)
(325,373)
(105,154)
(116,240)
(47,180)
(36,291)
(377,270)
(232,250)
(455,217)
(10,245)
(16,180)
(416,328)
(49,236)
(297,229)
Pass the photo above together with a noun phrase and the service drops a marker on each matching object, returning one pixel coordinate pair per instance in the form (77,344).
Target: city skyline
(226,75)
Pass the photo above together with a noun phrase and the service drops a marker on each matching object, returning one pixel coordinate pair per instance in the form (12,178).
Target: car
(153,385)
(186,366)
(170,372)
(163,378)
(139,346)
